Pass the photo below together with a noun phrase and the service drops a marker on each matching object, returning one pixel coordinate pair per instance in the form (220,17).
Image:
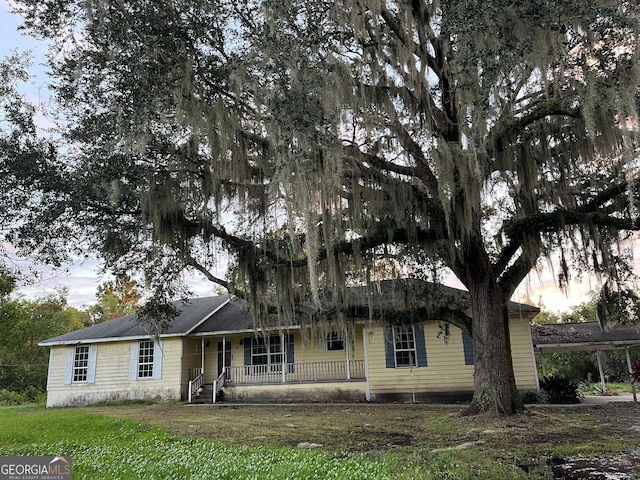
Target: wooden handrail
(195,383)
(218,384)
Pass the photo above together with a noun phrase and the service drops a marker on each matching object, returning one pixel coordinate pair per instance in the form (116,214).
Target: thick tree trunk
(494,378)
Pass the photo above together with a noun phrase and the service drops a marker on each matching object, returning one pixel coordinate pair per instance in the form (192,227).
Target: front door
(227,359)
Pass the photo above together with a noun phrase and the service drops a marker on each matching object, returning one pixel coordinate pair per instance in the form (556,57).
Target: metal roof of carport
(587,336)
(568,337)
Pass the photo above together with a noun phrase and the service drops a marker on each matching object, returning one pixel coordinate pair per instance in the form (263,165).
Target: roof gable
(230,318)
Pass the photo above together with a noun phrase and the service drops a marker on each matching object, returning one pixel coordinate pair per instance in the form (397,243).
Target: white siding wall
(112,376)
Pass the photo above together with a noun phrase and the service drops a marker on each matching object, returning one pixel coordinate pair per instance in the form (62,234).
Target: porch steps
(204,395)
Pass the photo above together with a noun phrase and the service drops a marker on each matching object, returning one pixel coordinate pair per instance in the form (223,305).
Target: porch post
(602,382)
(224,354)
(633,386)
(202,355)
(367,385)
(283,349)
(346,349)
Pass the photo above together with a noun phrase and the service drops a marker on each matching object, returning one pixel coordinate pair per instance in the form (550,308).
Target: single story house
(211,351)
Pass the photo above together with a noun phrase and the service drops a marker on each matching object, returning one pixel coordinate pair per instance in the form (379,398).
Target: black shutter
(467,346)
(247,350)
(389,347)
(421,347)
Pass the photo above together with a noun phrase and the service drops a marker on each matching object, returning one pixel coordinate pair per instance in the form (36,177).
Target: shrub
(531,397)
(7,397)
(560,390)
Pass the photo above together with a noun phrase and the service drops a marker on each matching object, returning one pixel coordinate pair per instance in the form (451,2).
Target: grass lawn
(353,441)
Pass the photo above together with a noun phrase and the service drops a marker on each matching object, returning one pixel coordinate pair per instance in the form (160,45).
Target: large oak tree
(310,141)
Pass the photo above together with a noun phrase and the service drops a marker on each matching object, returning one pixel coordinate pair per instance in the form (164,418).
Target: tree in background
(583,365)
(27,160)
(116,298)
(302,138)
(24,323)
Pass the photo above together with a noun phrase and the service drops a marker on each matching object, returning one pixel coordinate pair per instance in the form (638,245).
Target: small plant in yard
(561,390)
(587,387)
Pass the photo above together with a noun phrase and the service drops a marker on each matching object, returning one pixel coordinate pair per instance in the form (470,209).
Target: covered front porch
(237,364)
(257,375)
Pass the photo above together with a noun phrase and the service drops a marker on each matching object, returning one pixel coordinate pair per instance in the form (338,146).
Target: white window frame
(404,346)
(332,342)
(142,366)
(81,364)
(146,350)
(269,349)
(335,342)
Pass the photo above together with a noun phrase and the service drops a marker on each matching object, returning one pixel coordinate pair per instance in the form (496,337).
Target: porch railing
(296,372)
(217,385)
(195,383)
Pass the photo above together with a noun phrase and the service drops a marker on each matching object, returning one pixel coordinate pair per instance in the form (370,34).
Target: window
(145,359)
(266,354)
(405,346)
(80,364)
(334,342)
(331,342)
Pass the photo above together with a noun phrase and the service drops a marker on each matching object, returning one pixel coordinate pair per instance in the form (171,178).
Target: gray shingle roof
(190,315)
(230,318)
(411,293)
(582,336)
(200,316)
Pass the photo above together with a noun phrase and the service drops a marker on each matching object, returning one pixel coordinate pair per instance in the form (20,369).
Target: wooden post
(602,382)
(202,354)
(283,349)
(367,384)
(224,353)
(633,385)
(346,349)
(544,367)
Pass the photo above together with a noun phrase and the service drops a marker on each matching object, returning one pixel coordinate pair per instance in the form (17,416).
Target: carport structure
(587,336)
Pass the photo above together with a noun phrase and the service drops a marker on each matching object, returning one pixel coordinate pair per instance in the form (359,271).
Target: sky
(83,276)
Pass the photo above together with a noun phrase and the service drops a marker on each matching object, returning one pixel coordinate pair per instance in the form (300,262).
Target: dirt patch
(530,440)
